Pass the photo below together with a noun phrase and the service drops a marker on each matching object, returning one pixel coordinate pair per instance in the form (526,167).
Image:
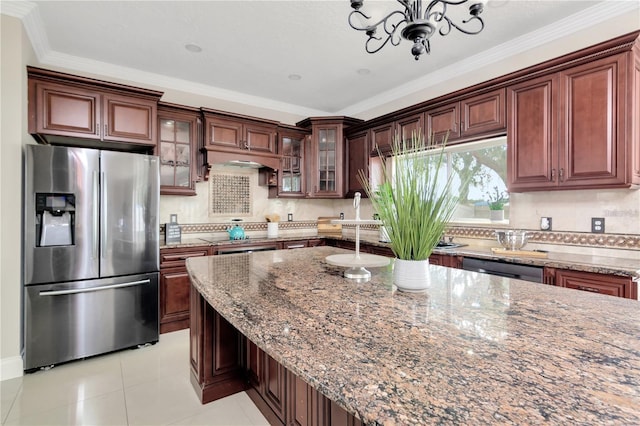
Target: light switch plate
(597,225)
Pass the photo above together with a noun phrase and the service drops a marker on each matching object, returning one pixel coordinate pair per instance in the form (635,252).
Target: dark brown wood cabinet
(224,362)
(381,138)
(566,130)
(73,110)
(325,153)
(451,261)
(479,115)
(357,162)
(484,114)
(216,352)
(613,285)
(291,176)
(175,286)
(240,134)
(443,122)
(179,143)
(231,137)
(409,126)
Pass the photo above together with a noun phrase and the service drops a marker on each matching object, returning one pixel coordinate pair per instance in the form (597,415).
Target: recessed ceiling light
(295,77)
(364,71)
(194,48)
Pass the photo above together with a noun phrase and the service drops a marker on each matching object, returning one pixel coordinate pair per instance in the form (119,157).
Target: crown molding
(28,13)
(588,18)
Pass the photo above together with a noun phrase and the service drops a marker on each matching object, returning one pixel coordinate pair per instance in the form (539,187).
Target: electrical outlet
(597,225)
(545,224)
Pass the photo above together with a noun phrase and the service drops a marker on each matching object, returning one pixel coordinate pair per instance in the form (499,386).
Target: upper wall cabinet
(325,156)
(570,129)
(179,143)
(240,133)
(383,136)
(480,115)
(290,178)
(357,162)
(72,110)
(232,137)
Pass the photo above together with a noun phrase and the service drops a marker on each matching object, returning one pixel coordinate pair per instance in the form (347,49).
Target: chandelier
(417,23)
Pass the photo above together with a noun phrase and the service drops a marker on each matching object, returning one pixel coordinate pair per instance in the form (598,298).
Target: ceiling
(251,48)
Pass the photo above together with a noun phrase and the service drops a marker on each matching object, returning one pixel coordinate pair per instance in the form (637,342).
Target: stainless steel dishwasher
(503,269)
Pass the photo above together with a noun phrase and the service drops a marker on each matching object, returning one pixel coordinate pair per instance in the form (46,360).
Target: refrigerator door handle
(96,216)
(103,206)
(87,290)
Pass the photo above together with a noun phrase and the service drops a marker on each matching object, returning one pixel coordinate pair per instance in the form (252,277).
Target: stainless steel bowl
(512,240)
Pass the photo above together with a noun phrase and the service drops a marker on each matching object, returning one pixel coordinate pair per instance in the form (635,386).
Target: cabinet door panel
(260,138)
(596,283)
(594,149)
(67,111)
(484,114)
(634,124)
(531,137)
(357,161)
(274,385)
(174,299)
(226,133)
(130,120)
(382,138)
(442,121)
(409,126)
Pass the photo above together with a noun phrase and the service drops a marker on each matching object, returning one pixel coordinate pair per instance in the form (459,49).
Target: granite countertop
(218,241)
(473,349)
(626,266)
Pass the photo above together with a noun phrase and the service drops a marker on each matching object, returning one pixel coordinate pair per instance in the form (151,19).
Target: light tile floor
(146,386)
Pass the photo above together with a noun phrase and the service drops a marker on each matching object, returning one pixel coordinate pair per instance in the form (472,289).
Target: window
(486,161)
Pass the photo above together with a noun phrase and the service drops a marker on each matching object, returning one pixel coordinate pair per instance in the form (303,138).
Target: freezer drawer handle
(87,290)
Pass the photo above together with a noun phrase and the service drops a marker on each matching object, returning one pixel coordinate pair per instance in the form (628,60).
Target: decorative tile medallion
(230,195)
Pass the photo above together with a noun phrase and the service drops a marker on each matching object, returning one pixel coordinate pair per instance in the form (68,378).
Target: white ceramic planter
(411,275)
(496,214)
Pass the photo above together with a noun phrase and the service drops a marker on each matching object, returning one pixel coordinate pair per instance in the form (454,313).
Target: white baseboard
(11,367)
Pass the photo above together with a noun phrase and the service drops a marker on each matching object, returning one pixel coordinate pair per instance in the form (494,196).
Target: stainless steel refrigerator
(90,253)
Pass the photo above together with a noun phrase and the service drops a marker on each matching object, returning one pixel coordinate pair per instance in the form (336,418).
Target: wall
(15,53)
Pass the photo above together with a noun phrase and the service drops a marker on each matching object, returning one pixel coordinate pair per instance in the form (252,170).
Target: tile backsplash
(571,212)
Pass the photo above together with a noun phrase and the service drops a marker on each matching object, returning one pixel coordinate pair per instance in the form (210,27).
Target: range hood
(244,159)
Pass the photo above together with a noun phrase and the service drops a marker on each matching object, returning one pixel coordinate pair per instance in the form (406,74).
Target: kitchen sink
(445,245)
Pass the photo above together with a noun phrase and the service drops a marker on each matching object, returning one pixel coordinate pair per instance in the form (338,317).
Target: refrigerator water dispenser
(55,219)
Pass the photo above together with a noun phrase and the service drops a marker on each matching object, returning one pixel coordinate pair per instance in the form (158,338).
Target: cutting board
(519,253)
(325,227)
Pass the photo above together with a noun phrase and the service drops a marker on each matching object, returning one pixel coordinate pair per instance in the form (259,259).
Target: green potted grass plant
(496,201)
(414,203)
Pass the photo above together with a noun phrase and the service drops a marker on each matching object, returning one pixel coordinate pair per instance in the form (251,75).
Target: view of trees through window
(486,165)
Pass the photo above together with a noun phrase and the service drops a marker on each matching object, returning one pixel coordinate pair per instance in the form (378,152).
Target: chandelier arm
(381,21)
(388,39)
(450,24)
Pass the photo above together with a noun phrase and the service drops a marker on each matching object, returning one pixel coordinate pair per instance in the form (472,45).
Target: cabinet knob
(246,145)
(553,175)
(561,174)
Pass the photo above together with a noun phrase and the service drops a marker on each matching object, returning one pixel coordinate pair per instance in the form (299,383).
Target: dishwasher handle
(88,290)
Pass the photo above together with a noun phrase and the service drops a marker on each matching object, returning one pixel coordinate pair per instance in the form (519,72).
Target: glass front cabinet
(292,172)
(177,149)
(325,156)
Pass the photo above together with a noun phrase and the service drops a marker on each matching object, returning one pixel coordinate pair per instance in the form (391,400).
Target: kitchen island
(473,349)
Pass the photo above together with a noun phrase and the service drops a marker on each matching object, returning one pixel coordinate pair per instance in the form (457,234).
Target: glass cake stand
(357,262)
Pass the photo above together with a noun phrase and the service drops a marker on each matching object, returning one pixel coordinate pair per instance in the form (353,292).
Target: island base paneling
(224,362)
(215,351)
